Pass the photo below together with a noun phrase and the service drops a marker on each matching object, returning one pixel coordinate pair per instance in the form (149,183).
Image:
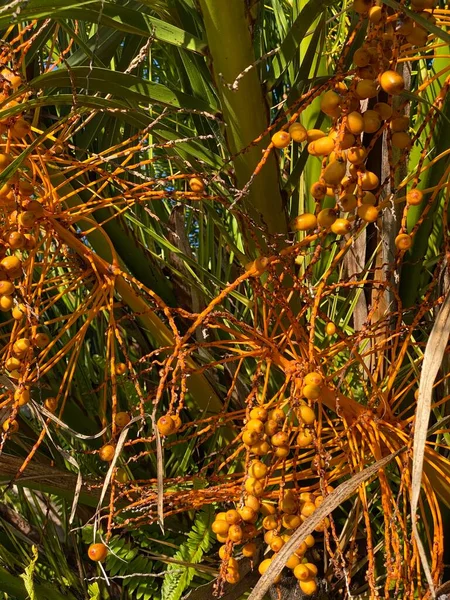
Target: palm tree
(224,290)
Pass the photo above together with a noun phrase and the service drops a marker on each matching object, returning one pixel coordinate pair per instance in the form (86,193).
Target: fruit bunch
(22,222)
(269,437)
(361,106)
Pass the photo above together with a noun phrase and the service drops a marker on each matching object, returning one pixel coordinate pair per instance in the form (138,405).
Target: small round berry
(97,552)
(51,404)
(120,368)
(22,396)
(122,419)
(166,425)
(249,549)
(281,139)
(196,184)
(106,452)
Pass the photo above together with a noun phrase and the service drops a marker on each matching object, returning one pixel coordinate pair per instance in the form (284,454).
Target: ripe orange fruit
(6,303)
(19,311)
(298,133)
(257,470)
(366,88)
(106,452)
(282,451)
(255,425)
(254,487)
(362,6)
(313,378)
(250,438)
(361,58)
(302,573)
(312,567)
(289,503)
(22,396)
(120,368)
(315,134)
(20,129)
(196,185)
(122,419)
(329,102)
(10,426)
(277,543)
(375,14)
(264,565)
(334,172)
(21,346)
(278,415)
(5,161)
(372,121)
(369,198)
(310,541)
(304,222)
(280,439)
(97,552)
(267,509)
(326,217)
(399,124)
(291,521)
(12,364)
(220,527)
(308,587)
(311,391)
(368,213)
(51,404)
(414,197)
(401,140)
(356,155)
(383,109)
(355,123)
(41,340)
(26,188)
(249,549)
(292,561)
(281,139)
(304,438)
(330,329)
(27,219)
(232,517)
(232,576)
(346,141)
(16,240)
(30,242)
(403,241)
(369,181)
(247,513)
(392,82)
(259,413)
(235,533)
(321,147)
(341,226)
(271,427)
(252,502)
(306,414)
(348,202)
(6,288)
(308,508)
(166,425)
(261,448)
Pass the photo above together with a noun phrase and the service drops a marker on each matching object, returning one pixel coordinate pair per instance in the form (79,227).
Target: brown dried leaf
(432,360)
